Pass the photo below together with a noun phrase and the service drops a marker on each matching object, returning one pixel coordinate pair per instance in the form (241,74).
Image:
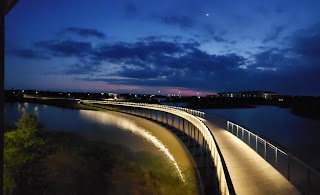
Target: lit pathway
(249,172)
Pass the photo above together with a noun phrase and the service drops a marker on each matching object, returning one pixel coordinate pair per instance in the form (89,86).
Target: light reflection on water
(131,126)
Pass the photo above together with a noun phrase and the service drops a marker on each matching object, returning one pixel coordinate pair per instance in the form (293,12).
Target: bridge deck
(249,172)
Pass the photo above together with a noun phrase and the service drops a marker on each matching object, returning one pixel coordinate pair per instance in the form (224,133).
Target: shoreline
(170,140)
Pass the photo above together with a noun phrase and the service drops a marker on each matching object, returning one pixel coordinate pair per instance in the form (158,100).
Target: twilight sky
(146,46)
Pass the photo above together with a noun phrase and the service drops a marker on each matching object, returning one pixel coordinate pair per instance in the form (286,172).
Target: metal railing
(192,117)
(190,111)
(306,179)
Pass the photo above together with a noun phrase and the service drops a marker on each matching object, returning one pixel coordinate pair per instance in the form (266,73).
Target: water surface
(300,135)
(114,128)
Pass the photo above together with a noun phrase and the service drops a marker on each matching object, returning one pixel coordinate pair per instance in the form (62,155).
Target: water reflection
(22,107)
(131,126)
(36,110)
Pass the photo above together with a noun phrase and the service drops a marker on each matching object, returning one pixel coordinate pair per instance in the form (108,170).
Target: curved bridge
(239,168)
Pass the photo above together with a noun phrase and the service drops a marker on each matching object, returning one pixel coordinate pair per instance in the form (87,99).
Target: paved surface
(249,172)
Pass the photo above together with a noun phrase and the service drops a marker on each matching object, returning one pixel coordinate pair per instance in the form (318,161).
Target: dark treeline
(305,106)
(19,94)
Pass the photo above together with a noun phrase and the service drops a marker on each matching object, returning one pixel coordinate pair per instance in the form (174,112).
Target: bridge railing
(306,179)
(188,115)
(190,111)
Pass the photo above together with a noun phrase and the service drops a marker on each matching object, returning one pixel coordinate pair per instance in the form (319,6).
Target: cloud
(80,69)
(137,50)
(219,39)
(292,69)
(66,48)
(174,55)
(144,73)
(306,42)
(267,68)
(178,62)
(29,54)
(163,63)
(85,32)
(274,35)
(147,62)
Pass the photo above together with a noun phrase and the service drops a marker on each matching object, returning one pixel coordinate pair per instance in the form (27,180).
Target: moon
(207,14)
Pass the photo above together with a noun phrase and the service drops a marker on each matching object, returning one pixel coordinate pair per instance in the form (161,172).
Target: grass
(92,167)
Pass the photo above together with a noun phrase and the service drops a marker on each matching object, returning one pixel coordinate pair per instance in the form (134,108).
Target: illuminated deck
(249,172)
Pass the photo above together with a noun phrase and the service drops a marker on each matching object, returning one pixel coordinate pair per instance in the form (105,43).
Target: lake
(299,135)
(111,127)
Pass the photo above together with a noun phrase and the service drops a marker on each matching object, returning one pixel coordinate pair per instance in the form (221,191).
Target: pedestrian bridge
(243,162)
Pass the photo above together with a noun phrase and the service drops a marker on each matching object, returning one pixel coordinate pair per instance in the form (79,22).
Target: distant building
(212,96)
(248,94)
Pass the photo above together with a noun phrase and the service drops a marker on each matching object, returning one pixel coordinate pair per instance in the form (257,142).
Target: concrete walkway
(249,172)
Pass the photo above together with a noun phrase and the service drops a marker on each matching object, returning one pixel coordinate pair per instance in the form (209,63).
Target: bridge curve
(240,170)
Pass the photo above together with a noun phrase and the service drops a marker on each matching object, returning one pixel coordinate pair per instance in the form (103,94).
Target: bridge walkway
(249,172)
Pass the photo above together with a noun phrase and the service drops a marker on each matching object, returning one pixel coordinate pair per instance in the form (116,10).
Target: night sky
(171,46)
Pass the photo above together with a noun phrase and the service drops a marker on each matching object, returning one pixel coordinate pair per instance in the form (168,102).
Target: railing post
(232,127)
(242,133)
(276,157)
(227,125)
(237,131)
(256,143)
(265,149)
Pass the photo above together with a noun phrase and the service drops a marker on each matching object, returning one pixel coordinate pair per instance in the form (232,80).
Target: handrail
(192,117)
(188,110)
(303,184)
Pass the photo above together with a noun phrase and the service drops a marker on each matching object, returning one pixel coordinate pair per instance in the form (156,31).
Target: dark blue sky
(145,46)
